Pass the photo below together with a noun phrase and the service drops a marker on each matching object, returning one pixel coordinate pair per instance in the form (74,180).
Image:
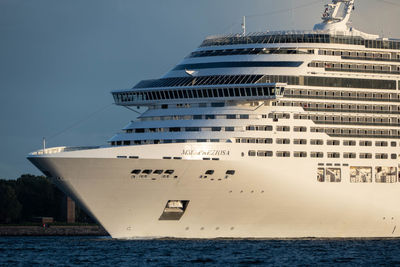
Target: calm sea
(69,251)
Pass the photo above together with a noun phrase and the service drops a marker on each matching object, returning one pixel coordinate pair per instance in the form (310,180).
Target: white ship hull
(265,135)
(265,198)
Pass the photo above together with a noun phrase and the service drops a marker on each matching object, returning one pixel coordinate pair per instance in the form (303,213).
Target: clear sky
(60,59)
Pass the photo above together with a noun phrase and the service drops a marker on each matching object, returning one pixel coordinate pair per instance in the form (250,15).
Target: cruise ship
(252,135)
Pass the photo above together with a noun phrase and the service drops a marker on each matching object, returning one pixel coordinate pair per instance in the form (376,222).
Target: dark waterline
(103,251)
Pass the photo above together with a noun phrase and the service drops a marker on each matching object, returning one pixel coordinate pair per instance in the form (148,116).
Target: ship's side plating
(262,135)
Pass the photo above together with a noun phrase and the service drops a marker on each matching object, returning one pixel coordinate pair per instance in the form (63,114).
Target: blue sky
(59,60)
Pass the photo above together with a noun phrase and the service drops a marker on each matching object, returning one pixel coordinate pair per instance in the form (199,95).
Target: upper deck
(290,37)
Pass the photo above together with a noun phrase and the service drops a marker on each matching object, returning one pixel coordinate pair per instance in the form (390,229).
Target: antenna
(244,25)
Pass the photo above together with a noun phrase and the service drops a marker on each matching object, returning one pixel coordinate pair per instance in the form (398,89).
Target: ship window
(300,141)
(262,153)
(348,155)
(283,141)
(300,154)
(365,143)
(192,129)
(230,172)
(284,154)
(317,154)
(158,172)
(349,143)
(333,155)
(244,116)
(209,117)
(210,172)
(252,153)
(283,128)
(360,174)
(321,175)
(197,117)
(169,172)
(381,156)
(365,156)
(180,94)
(300,129)
(317,142)
(229,129)
(385,174)
(393,156)
(137,171)
(231,117)
(146,171)
(381,143)
(333,142)
(393,144)
(333,175)
(237,93)
(216,129)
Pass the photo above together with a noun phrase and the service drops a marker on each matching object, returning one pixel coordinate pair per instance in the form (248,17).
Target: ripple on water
(88,251)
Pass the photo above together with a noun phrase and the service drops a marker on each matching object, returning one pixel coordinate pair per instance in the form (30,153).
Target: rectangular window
(231,117)
(333,175)
(252,153)
(283,154)
(348,155)
(229,129)
(360,174)
(209,117)
(317,142)
(283,128)
(300,154)
(349,143)
(381,156)
(218,105)
(365,156)
(365,143)
(263,153)
(381,143)
(333,142)
(300,129)
(321,175)
(333,155)
(317,154)
(283,141)
(300,141)
(385,174)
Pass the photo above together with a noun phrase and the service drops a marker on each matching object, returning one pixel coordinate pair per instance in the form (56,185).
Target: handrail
(55,150)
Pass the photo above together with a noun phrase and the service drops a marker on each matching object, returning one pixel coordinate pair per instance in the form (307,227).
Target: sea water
(104,251)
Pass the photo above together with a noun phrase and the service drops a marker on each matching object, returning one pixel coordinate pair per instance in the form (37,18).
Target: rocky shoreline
(53,230)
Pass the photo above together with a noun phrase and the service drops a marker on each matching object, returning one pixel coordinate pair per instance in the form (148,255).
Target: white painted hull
(266,198)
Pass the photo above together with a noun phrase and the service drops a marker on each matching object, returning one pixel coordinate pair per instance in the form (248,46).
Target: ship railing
(55,150)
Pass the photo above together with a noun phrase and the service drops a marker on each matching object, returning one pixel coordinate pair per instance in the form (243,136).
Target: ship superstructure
(264,135)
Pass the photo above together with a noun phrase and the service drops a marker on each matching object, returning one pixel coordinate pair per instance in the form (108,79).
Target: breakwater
(53,230)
